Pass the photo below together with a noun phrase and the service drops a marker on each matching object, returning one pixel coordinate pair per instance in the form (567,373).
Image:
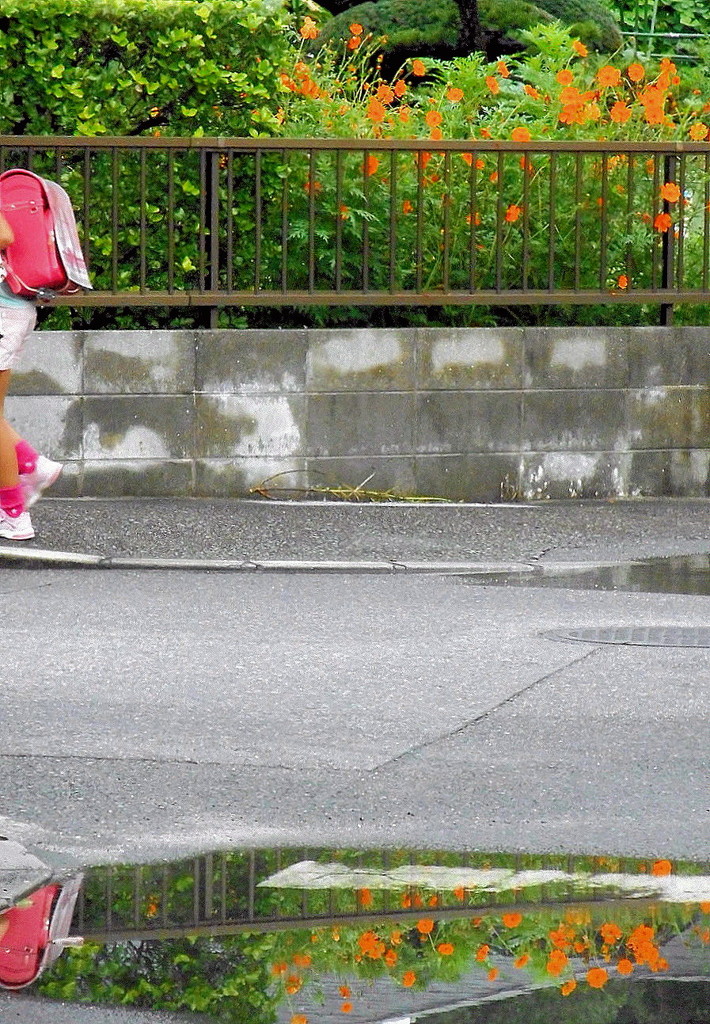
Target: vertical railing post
(210,227)
(666,319)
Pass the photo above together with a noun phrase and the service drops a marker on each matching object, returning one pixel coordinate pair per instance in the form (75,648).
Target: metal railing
(242,222)
(222,894)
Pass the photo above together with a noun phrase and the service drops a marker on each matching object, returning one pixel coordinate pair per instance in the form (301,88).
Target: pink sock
(12,501)
(26,457)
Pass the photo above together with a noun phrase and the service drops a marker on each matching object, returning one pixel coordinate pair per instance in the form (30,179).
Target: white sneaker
(16,527)
(45,474)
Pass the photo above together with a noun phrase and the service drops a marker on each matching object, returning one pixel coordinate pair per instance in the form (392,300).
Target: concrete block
(467,359)
(467,477)
(50,364)
(363,423)
(51,423)
(669,417)
(668,356)
(576,357)
(676,473)
(138,427)
(249,425)
(235,478)
(375,473)
(468,421)
(574,421)
(361,360)
(139,362)
(121,478)
(250,362)
(573,474)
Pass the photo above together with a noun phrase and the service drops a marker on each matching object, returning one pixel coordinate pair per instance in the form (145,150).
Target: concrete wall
(465,414)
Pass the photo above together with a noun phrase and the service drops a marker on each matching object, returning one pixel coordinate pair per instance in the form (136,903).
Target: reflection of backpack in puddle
(46,256)
(37,933)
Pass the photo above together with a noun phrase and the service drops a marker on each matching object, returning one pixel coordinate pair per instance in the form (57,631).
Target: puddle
(681,574)
(317,936)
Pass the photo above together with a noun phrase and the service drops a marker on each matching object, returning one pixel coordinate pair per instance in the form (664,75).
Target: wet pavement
(397,676)
(262,531)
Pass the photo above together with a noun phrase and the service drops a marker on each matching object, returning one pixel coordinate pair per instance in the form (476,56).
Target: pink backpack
(46,255)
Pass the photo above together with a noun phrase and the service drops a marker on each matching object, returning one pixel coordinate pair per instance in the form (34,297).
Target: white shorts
(16,323)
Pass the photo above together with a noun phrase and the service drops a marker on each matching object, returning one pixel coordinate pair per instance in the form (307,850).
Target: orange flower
(580,48)
(445,948)
(624,966)
(404,115)
(620,112)
(299,1018)
(421,160)
(556,962)
(492,974)
(407,206)
(390,958)
(481,953)
(492,84)
(344,991)
(353,42)
(671,193)
(512,213)
(355,29)
(364,895)
(636,72)
(375,110)
(532,92)
(460,893)
(621,282)
(279,968)
(520,134)
(384,93)
(309,29)
(425,926)
(608,76)
(502,69)
(597,977)
(400,87)
(610,932)
(493,177)
(418,67)
(433,118)
(408,979)
(454,95)
(480,164)
(301,960)
(565,76)
(705,907)
(293,984)
(662,222)
(522,960)
(512,920)
(346,1008)
(569,986)
(698,132)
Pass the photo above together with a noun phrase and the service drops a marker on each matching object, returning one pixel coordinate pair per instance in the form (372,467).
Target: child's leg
(9,476)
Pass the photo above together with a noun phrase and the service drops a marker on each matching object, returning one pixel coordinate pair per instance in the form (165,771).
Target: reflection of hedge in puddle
(427,936)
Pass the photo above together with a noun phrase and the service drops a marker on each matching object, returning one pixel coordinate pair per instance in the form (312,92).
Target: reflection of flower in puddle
(571,948)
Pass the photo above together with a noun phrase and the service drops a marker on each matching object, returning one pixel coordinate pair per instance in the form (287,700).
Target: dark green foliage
(432,27)
(588,17)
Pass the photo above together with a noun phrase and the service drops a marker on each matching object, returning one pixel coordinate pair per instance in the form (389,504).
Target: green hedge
(131,67)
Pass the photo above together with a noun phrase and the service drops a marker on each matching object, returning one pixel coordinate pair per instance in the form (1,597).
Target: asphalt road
(148,714)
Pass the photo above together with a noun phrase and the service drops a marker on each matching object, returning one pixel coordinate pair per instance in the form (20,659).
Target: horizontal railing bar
(484,297)
(355,145)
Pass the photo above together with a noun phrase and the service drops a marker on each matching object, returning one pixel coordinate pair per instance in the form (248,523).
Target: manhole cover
(638,636)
